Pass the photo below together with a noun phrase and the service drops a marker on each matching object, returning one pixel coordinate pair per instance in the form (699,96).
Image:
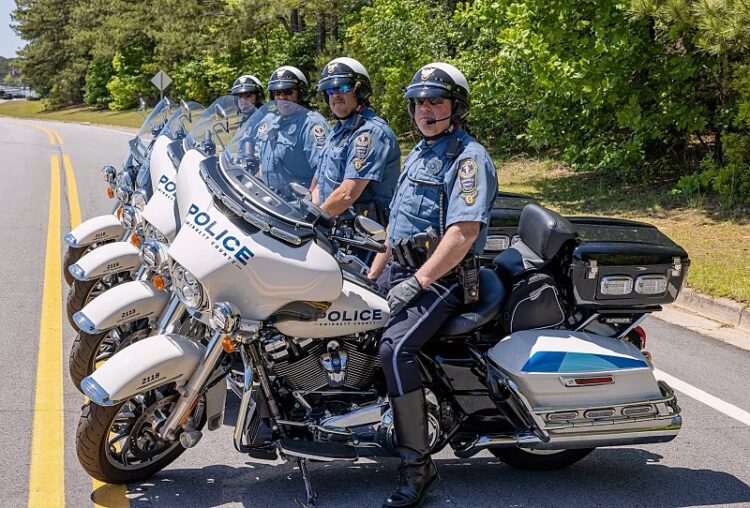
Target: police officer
(359,162)
(289,138)
(438,223)
(249,92)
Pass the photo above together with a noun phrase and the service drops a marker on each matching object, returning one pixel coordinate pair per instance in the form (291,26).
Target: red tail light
(642,333)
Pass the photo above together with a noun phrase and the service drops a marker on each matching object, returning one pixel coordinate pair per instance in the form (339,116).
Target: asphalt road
(708,464)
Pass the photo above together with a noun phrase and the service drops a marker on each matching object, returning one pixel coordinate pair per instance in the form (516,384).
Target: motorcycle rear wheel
(539,460)
(117,444)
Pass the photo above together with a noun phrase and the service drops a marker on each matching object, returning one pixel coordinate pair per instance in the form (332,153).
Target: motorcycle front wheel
(120,444)
(539,460)
(81,292)
(89,351)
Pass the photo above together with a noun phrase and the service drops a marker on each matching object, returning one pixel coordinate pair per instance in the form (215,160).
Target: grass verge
(717,241)
(35,110)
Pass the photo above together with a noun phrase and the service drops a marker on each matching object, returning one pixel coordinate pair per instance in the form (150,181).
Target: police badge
(292,129)
(331,68)
(434,165)
(426,73)
(320,134)
(467,180)
(361,149)
(262,129)
(280,73)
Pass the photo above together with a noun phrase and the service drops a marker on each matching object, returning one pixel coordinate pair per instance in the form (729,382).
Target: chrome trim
(85,324)
(197,382)
(225,317)
(171,315)
(247,404)
(587,322)
(317,458)
(633,325)
(96,393)
(72,241)
(368,415)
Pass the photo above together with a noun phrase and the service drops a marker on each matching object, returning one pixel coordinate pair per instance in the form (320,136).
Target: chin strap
(450,130)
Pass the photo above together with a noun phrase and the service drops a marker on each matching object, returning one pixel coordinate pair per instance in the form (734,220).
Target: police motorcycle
(103,268)
(133,309)
(122,186)
(539,378)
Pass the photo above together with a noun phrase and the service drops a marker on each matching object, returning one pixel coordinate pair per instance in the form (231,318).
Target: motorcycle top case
(622,263)
(503,226)
(548,366)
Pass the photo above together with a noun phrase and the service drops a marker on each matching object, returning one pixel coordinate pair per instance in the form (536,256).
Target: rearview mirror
(369,227)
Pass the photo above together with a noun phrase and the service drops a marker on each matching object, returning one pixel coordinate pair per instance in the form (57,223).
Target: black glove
(401,294)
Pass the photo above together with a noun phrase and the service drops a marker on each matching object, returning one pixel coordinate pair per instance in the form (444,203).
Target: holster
(468,278)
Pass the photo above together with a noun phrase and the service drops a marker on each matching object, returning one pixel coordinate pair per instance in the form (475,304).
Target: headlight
(109,173)
(139,199)
(124,179)
(151,233)
(153,255)
(616,285)
(122,192)
(130,217)
(188,289)
(224,317)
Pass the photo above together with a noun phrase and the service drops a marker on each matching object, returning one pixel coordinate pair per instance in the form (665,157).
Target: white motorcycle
(539,379)
(131,309)
(122,186)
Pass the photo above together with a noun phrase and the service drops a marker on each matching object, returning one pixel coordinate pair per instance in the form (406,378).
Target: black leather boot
(417,472)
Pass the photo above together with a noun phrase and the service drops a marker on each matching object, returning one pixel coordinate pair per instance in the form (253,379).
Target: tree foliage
(636,87)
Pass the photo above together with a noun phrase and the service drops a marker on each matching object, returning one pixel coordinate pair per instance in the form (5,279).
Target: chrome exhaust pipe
(247,404)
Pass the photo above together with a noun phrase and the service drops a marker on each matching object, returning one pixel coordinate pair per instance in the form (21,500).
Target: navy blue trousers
(406,332)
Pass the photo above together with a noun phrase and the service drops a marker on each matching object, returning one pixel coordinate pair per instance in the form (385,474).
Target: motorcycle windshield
(151,128)
(241,167)
(182,120)
(215,127)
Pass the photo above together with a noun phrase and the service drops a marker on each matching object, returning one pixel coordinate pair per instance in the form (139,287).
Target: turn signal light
(135,240)
(110,193)
(119,213)
(228,344)
(160,282)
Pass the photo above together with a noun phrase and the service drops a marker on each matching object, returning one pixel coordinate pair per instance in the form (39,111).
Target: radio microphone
(433,121)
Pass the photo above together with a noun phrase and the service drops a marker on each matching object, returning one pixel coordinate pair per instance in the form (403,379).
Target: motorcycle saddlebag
(534,302)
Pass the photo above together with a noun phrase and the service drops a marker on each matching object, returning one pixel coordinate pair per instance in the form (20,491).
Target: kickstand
(311,494)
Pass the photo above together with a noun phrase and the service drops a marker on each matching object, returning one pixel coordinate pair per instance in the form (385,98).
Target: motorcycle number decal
(127,313)
(112,266)
(150,378)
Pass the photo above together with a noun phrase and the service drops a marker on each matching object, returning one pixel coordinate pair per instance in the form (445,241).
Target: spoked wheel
(539,460)
(73,254)
(121,444)
(81,293)
(91,351)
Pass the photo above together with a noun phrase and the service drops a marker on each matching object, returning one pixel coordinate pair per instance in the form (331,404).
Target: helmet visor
(334,82)
(283,84)
(425,91)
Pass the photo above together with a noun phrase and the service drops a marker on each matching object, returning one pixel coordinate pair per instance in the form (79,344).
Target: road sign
(161,81)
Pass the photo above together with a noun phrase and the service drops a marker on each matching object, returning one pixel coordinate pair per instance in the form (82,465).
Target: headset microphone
(433,121)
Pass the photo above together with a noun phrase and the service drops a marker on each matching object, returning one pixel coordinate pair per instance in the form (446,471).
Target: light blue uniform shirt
(455,166)
(288,148)
(361,147)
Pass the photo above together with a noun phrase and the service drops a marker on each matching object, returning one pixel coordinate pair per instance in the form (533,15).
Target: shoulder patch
(467,180)
(320,134)
(263,128)
(362,145)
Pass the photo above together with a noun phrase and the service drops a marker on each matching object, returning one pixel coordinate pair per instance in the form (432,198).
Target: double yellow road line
(47,473)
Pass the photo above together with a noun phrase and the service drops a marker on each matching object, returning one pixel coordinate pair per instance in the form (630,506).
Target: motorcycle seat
(541,233)
(492,295)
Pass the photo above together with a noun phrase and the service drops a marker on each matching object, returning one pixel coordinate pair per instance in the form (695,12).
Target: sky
(9,41)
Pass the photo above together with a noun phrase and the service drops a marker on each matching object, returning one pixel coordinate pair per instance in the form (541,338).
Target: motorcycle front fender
(111,258)
(145,365)
(98,229)
(121,304)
